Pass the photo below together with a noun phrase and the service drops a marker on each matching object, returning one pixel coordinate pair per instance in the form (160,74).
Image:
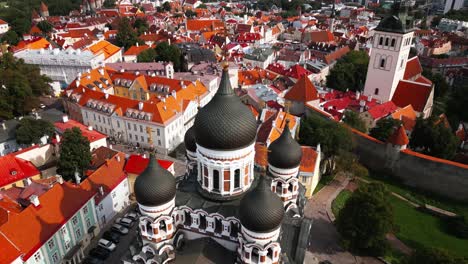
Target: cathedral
(223,210)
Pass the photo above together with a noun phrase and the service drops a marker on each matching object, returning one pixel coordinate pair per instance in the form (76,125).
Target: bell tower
(390,49)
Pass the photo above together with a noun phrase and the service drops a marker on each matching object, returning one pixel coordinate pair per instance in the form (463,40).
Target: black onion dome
(225,122)
(189,140)
(155,185)
(261,210)
(285,152)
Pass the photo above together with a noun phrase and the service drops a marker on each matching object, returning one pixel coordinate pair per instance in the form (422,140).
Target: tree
(441,86)
(126,36)
(75,154)
(384,128)
(166,52)
(353,119)
(365,219)
(31,130)
(166,6)
(203,6)
(349,72)
(434,256)
(109,4)
(45,26)
(435,21)
(190,14)
(456,105)
(148,55)
(11,37)
(141,25)
(431,137)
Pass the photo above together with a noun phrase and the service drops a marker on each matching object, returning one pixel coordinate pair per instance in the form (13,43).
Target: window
(216,180)
(237,178)
(101,207)
(51,244)
(141,128)
(78,233)
(86,114)
(108,121)
(63,231)
(401,64)
(135,127)
(94,116)
(142,139)
(67,244)
(88,222)
(158,132)
(381,41)
(376,92)
(99,118)
(129,126)
(75,220)
(130,136)
(55,258)
(37,257)
(105,129)
(386,41)
(113,194)
(393,43)
(118,124)
(85,209)
(159,142)
(382,63)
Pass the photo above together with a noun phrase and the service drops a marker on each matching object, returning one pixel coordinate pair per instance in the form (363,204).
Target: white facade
(8,147)
(453,5)
(115,201)
(4,28)
(387,64)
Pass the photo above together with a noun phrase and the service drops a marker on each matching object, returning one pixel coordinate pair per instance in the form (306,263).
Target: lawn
(340,201)
(417,228)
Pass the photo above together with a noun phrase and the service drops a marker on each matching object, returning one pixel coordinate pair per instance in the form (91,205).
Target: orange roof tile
(105,47)
(427,157)
(135,50)
(302,91)
(261,154)
(204,24)
(398,137)
(309,156)
(407,115)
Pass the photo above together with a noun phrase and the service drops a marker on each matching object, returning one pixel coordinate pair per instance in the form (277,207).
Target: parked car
(100,253)
(92,260)
(104,243)
(119,229)
(132,216)
(127,222)
(42,106)
(111,236)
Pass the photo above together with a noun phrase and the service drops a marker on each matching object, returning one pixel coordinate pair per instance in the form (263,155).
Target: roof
(412,93)
(204,24)
(303,91)
(413,68)
(407,115)
(399,137)
(135,50)
(3,22)
(382,110)
(13,169)
(309,157)
(105,47)
(261,154)
(136,164)
(91,135)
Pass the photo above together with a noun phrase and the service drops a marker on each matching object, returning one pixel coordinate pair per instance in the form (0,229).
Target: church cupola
(225,131)
(190,144)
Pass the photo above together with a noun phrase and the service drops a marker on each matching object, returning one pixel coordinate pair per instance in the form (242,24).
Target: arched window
(381,41)
(188,218)
(202,222)
(218,226)
(376,92)
(234,229)
(393,43)
(270,253)
(382,63)
(237,178)
(149,228)
(216,180)
(279,188)
(162,226)
(386,41)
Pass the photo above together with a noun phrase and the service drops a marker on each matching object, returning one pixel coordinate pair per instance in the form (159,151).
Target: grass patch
(324,181)
(340,201)
(395,257)
(420,229)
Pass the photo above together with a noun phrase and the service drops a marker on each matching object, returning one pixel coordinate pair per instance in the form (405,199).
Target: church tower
(390,49)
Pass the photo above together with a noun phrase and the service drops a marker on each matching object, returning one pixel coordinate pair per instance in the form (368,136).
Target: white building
(4,27)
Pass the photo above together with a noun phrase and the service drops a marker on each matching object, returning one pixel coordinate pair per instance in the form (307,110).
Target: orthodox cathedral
(223,210)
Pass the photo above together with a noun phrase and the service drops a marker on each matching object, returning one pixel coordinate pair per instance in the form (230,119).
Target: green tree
(431,137)
(126,36)
(141,25)
(349,72)
(441,86)
(456,104)
(75,154)
(353,119)
(203,6)
(434,256)
(435,21)
(166,6)
(31,130)
(148,55)
(45,26)
(384,128)
(109,4)
(190,14)
(166,52)
(365,219)
(11,37)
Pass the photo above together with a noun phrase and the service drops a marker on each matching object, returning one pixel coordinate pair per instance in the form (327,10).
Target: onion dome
(285,152)
(225,122)
(155,185)
(261,210)
(189,140)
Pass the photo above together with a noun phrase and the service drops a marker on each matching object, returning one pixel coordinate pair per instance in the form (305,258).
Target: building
(303,92)
(453,5)
(15,171)
(96,139)
(223,211)
(111,52)
(4,27)
(259,57)
(8,142)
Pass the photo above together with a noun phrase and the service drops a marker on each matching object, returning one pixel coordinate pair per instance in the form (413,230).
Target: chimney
(77,83)
(137,73)
(57,138)
(59,178)
(4,126)
(106,95)
(140,106)
(101,190)
(90,128)
(118,158)
(358,94)
(34,199)
(369,98)
(27,182)
(64,118)
(77,177)
(101,71)
(138,44)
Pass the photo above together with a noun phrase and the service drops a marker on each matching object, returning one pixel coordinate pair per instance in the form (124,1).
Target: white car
(42,106)
(132,216)
(104,243)
(127,222)
(119,229)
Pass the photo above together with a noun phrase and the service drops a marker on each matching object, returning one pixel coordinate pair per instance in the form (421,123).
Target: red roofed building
(300,94)
(374,114)
(413,69)
(309,174)
(399,138)
(95,138)
(418,95)
(14,170)
(44,10)
(132,53)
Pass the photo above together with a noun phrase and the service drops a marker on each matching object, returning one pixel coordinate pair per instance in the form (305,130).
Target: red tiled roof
(398,137)
(309,156)
(303,91)
(9,251)
(91,135)
(203,24)
(261,155)
(13,169)
(136,164)
(412,93)
(382,110)
(427,157)
(135,50)
(413,68)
